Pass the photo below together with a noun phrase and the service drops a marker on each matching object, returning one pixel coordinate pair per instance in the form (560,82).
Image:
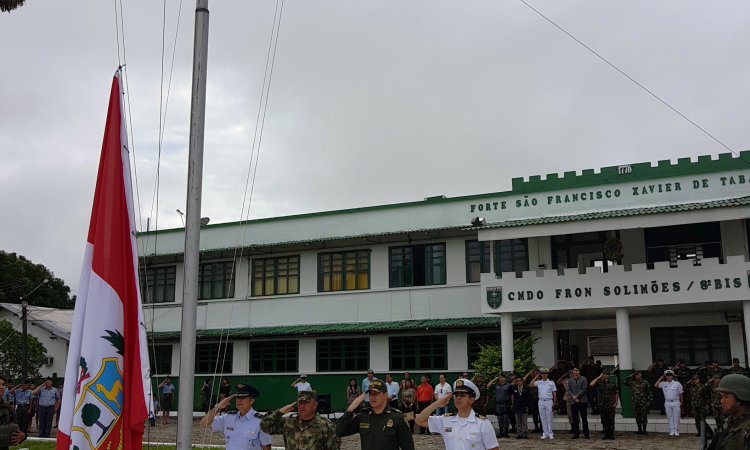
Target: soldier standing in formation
(657,370)
(480,403)
(8,416)
(735,404)
(380,427)
(694,389)
(736,368)
(609,394)
(713,401)
(308,430)
(641,398)
(502,404)
(683,374)
(465,429)
(241,428)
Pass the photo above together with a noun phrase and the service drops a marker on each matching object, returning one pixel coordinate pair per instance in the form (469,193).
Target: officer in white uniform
(301,384)
(672,400)
(547,394)
(464,430)
(241,428)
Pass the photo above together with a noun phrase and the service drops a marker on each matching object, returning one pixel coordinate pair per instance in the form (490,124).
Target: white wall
(733,238)
(633,246)
(458,351)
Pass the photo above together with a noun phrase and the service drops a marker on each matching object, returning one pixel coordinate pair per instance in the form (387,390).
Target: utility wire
(634,81)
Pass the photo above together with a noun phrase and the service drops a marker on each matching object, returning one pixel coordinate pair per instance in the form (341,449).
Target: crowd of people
(26,404)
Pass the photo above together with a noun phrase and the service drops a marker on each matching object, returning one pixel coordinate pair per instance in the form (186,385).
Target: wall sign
(495,296)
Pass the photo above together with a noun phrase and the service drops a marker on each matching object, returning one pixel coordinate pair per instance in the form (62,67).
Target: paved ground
(624,440)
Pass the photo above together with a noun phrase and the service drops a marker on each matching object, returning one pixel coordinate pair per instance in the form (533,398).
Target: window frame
(406,276)
(276,278)
(417,351)
(360,345)
(498,256)
(153,274)
(485,259)
(692,334)
(156,359)
(228,280)
(274,357)
(219,349)
(359,255)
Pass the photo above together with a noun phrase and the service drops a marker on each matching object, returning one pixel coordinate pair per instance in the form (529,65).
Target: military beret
(245,390)
(307,396)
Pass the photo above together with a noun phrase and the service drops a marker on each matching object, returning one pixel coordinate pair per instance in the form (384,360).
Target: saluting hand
(443,401)
(288,408)
(225,403)
(356,402)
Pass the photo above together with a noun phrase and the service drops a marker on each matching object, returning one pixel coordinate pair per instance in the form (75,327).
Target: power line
(634,81)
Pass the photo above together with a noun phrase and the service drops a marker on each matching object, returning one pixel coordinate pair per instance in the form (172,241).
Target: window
(418,353)
(157,284)
(693,344)
(511,255)
(344,271)
(579,251)
(274,356)
(274,276)
(417,265)
(475,340)
(694,242)
(477,260)
(343,354)
(161,359)
(207,355)
(215,280)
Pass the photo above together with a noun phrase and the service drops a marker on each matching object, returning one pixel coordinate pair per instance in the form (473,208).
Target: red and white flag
(105,399)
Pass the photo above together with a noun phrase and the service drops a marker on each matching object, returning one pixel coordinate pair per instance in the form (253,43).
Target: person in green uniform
(683,374)
(697,401)
(713,401)
(735,404)
(641,398)
(736,368)
(7,417)
(307,430)
(609,394)
(380,427)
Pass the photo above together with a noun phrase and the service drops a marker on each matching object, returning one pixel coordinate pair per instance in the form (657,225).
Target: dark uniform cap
(637,372)
(605,372)
(307,396)
(696,377)
(377,386)
(245,390)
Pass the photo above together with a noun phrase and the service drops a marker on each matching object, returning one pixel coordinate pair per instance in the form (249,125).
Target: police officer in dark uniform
(380,427)
(8,433)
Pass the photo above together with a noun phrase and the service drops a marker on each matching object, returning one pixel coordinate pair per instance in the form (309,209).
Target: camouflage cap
(696,377)
(637,372)
(605,372)
(307,396)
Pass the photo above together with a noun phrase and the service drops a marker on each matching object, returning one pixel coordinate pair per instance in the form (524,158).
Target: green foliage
(489,364)
(10,352)
(19,277)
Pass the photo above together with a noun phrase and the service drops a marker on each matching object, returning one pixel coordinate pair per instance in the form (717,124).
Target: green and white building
(630,264)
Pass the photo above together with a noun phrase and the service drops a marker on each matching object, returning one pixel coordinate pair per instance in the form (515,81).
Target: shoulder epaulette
(448,414)
(482,417)
(258,415)
(232,412)
(396,410)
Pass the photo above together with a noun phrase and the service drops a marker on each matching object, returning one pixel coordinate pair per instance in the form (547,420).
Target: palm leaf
(10,5)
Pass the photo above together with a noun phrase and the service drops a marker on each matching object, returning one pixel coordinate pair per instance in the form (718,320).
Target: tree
(10,5)
(490,361)
(19,277)
(10,352)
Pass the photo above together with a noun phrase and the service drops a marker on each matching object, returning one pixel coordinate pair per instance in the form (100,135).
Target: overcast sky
(371,102)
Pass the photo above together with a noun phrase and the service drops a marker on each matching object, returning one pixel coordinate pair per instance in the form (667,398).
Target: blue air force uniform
(242,432)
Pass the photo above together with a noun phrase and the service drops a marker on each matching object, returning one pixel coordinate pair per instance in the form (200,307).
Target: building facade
(631,264)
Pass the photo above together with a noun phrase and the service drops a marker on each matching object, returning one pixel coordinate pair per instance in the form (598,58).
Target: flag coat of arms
(105,398)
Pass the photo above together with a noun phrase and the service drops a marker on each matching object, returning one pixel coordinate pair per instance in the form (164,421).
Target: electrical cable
(634,81)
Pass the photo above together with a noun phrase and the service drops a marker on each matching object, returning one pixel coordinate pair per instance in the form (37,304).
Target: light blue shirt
(392,390)
(8,397)
(167,388)
(365,385)
(241,432)
(22,397)
(48,396)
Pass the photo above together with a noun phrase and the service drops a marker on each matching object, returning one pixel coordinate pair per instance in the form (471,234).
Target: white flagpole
(192,229)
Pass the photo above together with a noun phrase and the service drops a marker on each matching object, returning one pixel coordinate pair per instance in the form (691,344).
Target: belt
(542,399)
(50,406)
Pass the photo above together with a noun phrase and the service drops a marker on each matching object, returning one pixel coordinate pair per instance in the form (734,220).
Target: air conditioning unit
(48,360)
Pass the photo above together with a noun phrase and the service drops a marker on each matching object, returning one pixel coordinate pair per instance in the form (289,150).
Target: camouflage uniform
(713,401)
(684,375)
(641,396)
(480,406)
(608,390)
(737,434)
(697,402)
(739,370)
(319,434)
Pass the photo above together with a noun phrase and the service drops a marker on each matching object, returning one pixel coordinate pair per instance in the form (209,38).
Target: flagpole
(192,229)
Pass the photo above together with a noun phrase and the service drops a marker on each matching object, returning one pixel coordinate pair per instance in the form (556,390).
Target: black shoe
(663,413)
(519,436)
(571,431)
(575,436)
(586,436)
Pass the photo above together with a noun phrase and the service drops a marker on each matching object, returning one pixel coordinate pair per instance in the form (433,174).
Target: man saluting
(241,428)
(465,430)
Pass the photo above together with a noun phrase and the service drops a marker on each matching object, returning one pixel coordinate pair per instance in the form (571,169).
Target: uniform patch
(448,430)
(230,428)
(389,423)
(364,425)
(482,417)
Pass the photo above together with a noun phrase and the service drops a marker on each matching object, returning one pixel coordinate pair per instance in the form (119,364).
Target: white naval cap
(467,386)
